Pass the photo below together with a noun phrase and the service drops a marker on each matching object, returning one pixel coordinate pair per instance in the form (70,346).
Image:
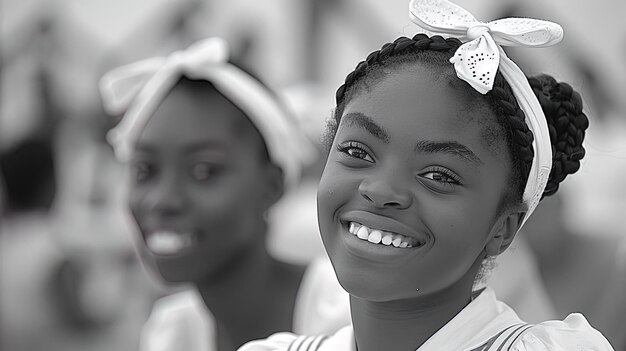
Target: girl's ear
(503,233)
(275,185)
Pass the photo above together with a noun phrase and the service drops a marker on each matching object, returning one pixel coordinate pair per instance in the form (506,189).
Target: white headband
(477,60)
(138,89)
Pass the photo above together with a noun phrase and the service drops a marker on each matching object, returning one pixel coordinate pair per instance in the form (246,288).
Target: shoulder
(571,334)
(341,340)
(178,319)
(283,341)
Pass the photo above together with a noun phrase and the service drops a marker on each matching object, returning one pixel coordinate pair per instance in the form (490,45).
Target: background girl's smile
(171,242)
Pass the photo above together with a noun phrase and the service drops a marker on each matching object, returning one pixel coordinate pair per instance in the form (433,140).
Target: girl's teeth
(375,236)
(387,239)
(363,233)
(397,240)
(353,227)
(168,243)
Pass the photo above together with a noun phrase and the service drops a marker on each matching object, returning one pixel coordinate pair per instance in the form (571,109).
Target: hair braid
(519,137)
(567,123)
(419,42)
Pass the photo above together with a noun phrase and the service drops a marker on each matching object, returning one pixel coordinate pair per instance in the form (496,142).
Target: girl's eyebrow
(202,145)
(360,120)
(449,147)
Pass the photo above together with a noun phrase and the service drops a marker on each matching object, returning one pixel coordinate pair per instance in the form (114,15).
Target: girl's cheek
(326,194)
(334,192)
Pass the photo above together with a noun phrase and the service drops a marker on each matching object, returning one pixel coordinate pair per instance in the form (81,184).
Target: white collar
(475,325)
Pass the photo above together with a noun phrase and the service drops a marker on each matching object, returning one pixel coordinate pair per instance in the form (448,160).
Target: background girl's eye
(204,171)
(142,171)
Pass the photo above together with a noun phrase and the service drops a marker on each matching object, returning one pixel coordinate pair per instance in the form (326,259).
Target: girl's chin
(377,292)
(371,281)
(183,268)
(172,273)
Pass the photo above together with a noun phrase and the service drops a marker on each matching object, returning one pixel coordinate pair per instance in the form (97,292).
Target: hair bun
(567,123)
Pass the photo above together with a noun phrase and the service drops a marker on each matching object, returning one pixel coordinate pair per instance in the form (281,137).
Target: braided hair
(561,105)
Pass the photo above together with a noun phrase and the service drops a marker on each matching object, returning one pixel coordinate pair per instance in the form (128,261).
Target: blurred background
(69,277)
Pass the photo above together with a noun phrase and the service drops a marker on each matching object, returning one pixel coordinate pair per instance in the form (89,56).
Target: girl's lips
(384,224)
(369,251)
(376,236)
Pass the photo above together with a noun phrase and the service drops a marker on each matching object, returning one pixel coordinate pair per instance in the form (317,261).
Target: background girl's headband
(477,60)
(138,89)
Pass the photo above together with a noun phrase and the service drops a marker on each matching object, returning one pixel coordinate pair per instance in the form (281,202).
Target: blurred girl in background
(211,149)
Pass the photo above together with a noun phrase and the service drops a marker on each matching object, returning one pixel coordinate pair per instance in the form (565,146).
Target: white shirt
(182,321)
(485,324)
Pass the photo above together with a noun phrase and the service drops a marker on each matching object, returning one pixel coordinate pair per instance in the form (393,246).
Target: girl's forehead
(421,95)
(188,118)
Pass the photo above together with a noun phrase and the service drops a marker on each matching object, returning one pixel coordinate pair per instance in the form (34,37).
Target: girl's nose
(168,197)
(385,192)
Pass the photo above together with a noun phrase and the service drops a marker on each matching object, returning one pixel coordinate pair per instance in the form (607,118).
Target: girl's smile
(167,242)
(375,236)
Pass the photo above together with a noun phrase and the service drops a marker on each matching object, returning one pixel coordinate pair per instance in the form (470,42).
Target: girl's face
(200,186)
(411,174)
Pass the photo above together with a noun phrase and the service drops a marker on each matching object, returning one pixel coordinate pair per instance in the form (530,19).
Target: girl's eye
(142,171)
(203,171)
(356,150)
(440,179)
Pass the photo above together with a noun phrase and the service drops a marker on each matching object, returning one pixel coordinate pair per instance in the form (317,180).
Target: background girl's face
(199,186)
(410,162)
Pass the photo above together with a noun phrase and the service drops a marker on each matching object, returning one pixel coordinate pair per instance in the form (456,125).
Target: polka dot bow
(477,60)
(480,56)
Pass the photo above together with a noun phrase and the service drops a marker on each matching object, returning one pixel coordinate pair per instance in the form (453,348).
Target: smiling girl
(211,149)
(439,152)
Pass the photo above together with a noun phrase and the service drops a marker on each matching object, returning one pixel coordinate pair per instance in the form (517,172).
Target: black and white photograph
(312,175)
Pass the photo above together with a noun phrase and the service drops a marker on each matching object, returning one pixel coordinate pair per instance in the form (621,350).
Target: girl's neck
(254,298)
(407,324)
